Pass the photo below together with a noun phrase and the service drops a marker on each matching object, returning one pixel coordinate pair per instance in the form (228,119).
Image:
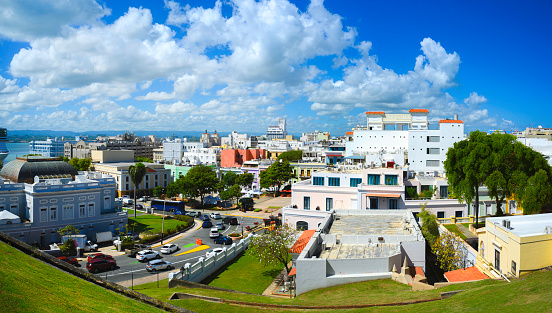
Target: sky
(240,65)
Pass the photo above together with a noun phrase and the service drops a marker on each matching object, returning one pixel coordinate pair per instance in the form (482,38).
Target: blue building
(49,148)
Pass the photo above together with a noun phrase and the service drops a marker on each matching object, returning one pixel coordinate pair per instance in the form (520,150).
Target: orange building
(235,157)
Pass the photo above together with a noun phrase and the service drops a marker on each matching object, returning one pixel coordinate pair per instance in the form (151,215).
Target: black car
(223,240)
(230,220)
(207,224)
(205,217)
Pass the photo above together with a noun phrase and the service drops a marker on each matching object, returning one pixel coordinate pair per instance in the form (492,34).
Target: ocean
(16,149)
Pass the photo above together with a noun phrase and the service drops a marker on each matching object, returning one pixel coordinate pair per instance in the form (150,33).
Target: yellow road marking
(202,247)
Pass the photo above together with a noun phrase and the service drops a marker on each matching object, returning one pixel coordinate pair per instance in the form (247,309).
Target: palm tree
(137,173)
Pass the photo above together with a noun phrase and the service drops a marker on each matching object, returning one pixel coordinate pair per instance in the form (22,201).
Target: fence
(453,220)
(206,266)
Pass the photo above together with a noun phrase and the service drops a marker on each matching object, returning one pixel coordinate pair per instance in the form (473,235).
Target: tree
(80,164)
(291,155)
(173,190)
(70,244)
(449,250)
(245,179)
(137,173)
(273,247)
(158,191)
(142,159)
(229,179)
(276,175)
(430,228)
(199,181)
(537,193)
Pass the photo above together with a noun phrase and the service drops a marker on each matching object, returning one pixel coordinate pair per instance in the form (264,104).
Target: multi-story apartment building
(315,136)
(156,175)
(238,141)
(277,131)
(235,157)
(142,146)
(3,148)
(49,148)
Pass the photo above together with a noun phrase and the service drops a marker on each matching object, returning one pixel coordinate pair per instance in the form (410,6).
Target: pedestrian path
(466,232)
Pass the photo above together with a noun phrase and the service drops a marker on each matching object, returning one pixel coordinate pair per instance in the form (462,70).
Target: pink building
(235,157)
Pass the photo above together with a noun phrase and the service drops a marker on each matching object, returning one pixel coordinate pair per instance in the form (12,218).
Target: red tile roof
(300,244)
(419,271)
(292,272)
(451,121)
(418,111)
(348,133)
(467,274)
(375,112)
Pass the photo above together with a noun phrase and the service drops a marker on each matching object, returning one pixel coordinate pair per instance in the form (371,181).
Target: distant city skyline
(82,65)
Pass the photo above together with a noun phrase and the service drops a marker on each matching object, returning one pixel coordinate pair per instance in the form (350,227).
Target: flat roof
(355,251)
(525,225)
(373,224)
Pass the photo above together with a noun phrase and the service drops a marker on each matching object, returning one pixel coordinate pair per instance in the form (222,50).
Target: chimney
(456,117)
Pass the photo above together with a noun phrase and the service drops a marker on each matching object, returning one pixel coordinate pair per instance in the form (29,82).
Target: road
(189,252)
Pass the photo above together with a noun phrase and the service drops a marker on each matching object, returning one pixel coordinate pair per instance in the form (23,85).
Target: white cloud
(25,20)
(177,108)
(156,96)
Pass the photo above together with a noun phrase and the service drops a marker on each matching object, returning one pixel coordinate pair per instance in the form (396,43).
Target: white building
(49,148)
(179,151)
(277,131)
(156,175)
(405,139)
(236,140)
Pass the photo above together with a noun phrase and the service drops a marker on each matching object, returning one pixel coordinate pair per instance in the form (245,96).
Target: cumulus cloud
(176,108)
(26,20)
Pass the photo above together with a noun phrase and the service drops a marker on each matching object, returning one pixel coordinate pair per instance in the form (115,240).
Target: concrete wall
(110,156)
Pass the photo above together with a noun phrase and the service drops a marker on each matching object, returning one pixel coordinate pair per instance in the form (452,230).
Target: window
(1,207)
(306,203)
(82,210)
(441,214)
(444,192)
(44,214)
(318,181)
(433,151)
(91,209)
(458,213)
(333,181)
(329,204)
(393,204)
(373,179)
(14,208)
(302,225)
(432,163)
(374,203)
(68,212)
(433,138)
(391,180)
(514,268)
(355,182)
(53,213)
(497,260)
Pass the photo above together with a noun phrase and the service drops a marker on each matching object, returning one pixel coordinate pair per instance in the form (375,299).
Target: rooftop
(525,225)
(373,224)
(465,274)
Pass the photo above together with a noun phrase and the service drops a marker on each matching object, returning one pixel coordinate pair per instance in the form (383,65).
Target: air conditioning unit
(548,230)
(506,224)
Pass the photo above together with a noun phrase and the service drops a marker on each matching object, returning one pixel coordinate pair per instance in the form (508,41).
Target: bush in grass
(257,210)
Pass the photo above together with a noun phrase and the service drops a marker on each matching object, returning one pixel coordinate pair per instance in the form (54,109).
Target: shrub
(247,228)
(234,235)
(256,223)
(257,210)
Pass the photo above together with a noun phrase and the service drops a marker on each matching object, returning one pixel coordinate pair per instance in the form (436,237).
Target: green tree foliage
(69,245)
(291,155)
(80,164)
(245,179)
(273,247)
(142,159)
(199,181)
(537,193)
(233,192)
(276,175)
(430,228)
(229,179)
(158,191)
(449,250)
(173,189)
(137,173)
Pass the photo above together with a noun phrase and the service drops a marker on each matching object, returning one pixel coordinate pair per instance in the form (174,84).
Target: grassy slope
(152,222)
(28,285)
(454,229)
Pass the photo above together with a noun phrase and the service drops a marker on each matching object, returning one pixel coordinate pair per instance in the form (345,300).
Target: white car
(213,252)
(214,233)
(215,216)
(169,248)
(156,265)
(146,255)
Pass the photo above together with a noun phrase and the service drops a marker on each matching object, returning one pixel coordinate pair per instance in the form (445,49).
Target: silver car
(157,265)
(169,248)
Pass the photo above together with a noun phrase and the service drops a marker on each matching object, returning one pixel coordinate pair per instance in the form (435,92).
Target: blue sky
(240,65)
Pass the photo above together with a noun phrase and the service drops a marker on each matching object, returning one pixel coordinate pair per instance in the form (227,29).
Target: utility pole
(163,223)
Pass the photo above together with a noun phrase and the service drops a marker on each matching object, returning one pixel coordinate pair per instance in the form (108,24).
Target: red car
(72,261)
(102,256)
(97,265)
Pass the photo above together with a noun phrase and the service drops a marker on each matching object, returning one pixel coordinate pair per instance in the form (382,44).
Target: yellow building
(515,245)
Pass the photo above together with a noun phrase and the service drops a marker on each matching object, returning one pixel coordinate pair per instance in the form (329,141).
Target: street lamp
(163,223)
(242,225)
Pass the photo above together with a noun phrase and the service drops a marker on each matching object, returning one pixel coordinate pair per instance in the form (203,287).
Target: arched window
(302,225)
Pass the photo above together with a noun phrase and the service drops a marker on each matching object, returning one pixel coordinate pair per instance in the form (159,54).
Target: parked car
(215,216)
(145,255)
(96,256)
(157,265)
(220,226)
(214,233)
(193,213)
(207,224)
(230,220)
(205,217)
(223,240)
(213,252)
(169,248)
(97,265)
(139,207)
(72,261)
(144,198)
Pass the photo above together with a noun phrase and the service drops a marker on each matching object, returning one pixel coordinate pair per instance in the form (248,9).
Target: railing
(206,266)
(453,220)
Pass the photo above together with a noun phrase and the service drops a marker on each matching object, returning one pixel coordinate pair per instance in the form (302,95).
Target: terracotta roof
(419,271)
(418,111)
(467,274)
(348,133)
(292,272)
(451,121)
(300,244)
(383,195)
(375,112)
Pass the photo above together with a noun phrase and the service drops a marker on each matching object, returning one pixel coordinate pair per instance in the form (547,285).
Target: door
(497,260)
(374,203)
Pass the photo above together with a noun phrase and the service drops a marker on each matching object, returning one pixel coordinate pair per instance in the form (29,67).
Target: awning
(383,195)
(355,157)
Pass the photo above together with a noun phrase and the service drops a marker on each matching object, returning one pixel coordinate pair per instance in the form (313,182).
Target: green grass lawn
(28,285)
(467,225)
(152,222)
(453,228)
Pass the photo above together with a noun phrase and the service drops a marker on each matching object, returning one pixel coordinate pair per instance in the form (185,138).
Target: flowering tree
(449,250)
(273,247)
